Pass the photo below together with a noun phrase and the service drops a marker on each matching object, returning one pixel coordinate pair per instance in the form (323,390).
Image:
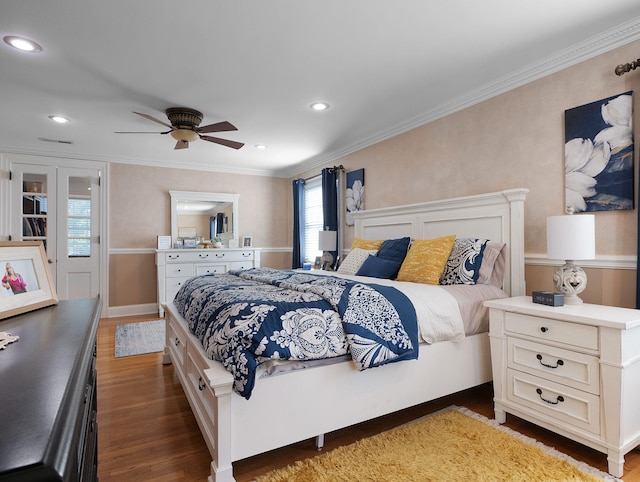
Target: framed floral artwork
(26,282)
(354,194)
(598,155)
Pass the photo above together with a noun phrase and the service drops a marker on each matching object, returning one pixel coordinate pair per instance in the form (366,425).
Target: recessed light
(319,106)
(22,43)
(59,119)
(260,146)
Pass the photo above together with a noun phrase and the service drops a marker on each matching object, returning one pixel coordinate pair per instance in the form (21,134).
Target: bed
(307,403)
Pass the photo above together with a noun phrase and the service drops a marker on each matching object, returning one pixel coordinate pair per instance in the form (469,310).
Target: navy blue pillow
(379,268)
(394,249)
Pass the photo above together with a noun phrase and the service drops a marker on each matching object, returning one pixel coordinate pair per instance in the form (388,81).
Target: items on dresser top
(573,369)
(175,266)
(48,394)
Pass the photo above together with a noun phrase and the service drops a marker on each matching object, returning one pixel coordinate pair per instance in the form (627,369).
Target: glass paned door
(35,208)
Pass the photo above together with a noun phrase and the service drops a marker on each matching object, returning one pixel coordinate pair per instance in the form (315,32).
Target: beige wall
(140,210)
(513,140)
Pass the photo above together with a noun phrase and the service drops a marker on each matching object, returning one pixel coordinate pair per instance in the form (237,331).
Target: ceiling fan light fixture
(185,135)
(22,43)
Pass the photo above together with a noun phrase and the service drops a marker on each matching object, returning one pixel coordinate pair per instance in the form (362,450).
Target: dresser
(574,370)
(48,394)
(175,266)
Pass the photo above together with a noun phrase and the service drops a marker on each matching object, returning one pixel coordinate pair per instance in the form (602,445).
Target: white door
(78,235)
(33,201)
(60,206)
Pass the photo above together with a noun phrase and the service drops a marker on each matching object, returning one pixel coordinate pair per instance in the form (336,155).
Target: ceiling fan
(185,128)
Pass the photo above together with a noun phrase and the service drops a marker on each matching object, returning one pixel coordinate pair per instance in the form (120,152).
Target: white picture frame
(26,282)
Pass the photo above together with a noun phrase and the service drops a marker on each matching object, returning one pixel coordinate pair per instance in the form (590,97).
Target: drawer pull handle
(544,329)
(559,363)
(203,255)
(177,342)
(201,384)
(559,398)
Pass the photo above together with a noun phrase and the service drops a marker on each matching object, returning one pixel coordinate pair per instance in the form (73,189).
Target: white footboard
(303,404)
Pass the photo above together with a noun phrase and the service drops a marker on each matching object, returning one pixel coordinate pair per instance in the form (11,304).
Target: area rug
(139,338)
(454,444)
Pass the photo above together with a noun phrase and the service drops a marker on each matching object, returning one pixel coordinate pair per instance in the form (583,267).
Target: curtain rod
(624,68)
(337,168)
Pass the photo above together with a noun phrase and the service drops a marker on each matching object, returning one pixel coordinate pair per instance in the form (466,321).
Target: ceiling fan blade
(147,116)
(182,145)
(217,127)
(146,132)
(224,142)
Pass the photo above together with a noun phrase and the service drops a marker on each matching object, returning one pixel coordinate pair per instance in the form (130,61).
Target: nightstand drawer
(570,407)
(576,370)
(581,336)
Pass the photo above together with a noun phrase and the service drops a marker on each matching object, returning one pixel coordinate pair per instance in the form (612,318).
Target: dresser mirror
(199,217)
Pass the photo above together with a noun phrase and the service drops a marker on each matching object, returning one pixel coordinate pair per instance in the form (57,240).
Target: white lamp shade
(327,240)
(571,237)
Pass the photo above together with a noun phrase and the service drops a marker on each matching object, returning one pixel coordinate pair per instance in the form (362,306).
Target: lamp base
(571,280)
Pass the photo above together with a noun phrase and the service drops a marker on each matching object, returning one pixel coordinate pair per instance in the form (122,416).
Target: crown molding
(602,43)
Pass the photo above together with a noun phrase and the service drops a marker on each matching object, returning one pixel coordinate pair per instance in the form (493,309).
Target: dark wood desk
(48,429)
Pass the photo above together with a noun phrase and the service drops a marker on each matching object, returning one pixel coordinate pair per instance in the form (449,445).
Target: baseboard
(132,310)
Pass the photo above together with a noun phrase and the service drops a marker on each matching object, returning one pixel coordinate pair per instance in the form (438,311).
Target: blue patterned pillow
(463,265)
(394,249)
(379,268)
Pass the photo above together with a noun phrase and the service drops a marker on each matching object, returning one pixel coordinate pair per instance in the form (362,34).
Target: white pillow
(354,260)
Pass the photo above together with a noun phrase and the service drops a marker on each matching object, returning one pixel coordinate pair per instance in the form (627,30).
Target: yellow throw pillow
(426,260)
(366,244)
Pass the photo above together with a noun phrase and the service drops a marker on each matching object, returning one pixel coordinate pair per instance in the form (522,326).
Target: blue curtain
(330,202)
(298,223)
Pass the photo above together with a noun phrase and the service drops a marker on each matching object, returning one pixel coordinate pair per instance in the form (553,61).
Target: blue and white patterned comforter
(244,318)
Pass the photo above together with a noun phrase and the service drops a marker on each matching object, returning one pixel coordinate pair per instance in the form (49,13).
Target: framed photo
(318,263)
(26,282)
(189,242)
(247,241)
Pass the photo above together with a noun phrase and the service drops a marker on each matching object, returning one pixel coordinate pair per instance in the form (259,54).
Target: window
(313,218)
(79,227)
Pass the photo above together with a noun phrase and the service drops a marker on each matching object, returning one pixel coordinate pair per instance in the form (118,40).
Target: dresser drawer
(223,255)
(174,284)
(188,256)
(574,334)
(210,269)
(576,370)
(179,270)
(241,265)
(566,405)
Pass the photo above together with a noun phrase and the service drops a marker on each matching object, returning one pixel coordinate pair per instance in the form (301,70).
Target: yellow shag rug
(455,444)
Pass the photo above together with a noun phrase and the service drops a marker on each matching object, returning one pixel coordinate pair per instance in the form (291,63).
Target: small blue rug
(139,338)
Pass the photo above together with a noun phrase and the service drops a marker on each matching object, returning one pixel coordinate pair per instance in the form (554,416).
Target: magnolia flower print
(355,200)
(608,154)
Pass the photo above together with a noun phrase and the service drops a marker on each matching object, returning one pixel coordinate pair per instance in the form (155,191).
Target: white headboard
(497,216)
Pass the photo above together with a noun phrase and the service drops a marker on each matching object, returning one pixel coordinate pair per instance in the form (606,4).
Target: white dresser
(175,266)
(574,370)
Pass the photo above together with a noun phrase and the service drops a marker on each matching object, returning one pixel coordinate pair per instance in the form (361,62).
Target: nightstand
(574,370)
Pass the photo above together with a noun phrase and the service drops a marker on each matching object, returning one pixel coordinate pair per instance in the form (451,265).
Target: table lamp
(571,237)
(327,241)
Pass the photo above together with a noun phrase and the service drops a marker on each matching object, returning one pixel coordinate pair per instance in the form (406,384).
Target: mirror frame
(177,196)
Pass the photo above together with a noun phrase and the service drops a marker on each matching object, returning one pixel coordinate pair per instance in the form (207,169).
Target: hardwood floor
(146,431)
